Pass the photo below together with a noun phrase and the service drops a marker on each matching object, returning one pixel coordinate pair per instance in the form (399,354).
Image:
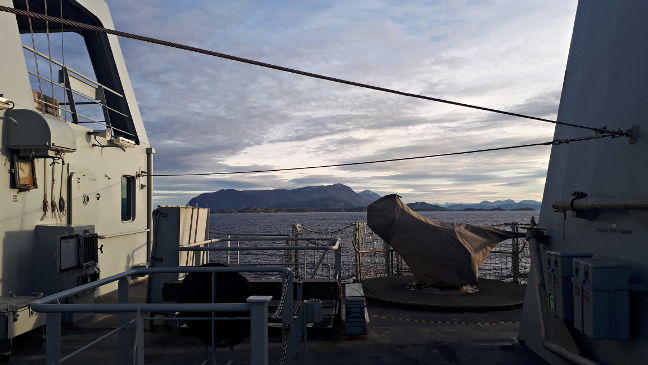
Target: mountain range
(503,204)
(336,197)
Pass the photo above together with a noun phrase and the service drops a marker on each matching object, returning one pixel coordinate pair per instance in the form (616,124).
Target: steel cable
(554,142)
(185,47)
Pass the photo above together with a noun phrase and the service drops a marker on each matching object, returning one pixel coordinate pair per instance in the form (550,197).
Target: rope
(61,201)
(45,204)
(53,203)
(554,142)
(185,47)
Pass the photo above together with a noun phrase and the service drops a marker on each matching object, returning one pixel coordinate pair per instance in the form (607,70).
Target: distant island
(329,198)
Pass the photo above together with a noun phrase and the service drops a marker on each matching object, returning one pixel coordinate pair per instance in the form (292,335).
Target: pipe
(104,236)
(599,204)
(540,293)
(149,203)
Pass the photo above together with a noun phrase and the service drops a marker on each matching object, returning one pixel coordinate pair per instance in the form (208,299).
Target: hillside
(503,204)
(425,207)
(329,198)
(336,197)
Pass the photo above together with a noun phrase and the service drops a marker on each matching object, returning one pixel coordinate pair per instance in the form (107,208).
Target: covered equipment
(441,254)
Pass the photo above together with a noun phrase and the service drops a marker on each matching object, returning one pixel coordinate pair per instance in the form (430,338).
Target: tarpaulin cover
(442,254)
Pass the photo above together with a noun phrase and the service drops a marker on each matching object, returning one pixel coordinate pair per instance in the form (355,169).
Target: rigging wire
(31,33)
(554,142)
(49,53)
(63,56)
(602,130)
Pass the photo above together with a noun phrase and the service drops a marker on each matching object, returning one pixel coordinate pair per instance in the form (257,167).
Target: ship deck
(396,335)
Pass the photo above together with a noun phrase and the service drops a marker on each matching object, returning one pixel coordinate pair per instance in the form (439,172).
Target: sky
(207,114)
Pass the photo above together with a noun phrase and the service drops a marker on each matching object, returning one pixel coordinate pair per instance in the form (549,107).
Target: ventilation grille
(89,250)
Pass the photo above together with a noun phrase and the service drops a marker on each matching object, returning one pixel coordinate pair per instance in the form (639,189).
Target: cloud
(208,114)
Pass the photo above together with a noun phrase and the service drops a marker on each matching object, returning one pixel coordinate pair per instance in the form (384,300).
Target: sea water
(338,224)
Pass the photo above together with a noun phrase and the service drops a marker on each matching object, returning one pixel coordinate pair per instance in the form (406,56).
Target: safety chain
(286,335)
(329,232)
(284,345)
(282,300)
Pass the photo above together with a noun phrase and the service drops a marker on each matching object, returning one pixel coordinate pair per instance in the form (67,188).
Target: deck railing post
(515,255)
(64,77)
(53,339)
(229,245)
(357,244)
(259,329)
(122,321)
(139,338)
(338,264)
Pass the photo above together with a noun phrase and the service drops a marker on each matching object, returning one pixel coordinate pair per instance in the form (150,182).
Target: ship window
(127,198)
(72,72)
(44,56)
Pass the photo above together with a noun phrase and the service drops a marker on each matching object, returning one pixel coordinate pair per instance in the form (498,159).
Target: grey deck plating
(493,294)
(397,335)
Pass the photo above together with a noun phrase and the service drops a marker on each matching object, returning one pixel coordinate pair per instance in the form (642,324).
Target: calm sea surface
(275,223)
(497,265)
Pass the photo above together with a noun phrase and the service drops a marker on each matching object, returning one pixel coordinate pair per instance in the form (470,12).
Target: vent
(88,250)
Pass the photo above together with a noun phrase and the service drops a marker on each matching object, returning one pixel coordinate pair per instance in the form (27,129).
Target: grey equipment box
(601,291)
(16,317)
(66,256)
(559,282)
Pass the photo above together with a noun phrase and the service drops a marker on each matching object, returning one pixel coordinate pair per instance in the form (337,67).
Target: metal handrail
(46,305)
(256,306)
(91,100)
(42,55)
(253,238)
(104,236)
(99,97)
(79,115)
(334,245)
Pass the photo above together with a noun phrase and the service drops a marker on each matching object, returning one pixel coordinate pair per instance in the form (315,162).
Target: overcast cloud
(208,114)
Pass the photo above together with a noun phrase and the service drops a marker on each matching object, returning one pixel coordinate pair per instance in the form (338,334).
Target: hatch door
(83,198)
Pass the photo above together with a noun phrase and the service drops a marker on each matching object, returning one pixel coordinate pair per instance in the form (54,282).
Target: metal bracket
(633,133)
(538,234)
